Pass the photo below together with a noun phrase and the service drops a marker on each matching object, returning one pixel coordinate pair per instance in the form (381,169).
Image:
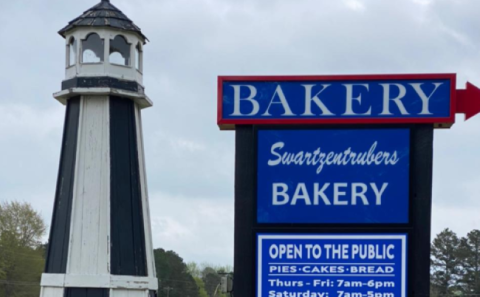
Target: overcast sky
(189,161)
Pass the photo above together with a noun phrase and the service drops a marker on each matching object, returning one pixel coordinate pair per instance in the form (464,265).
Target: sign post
(333,181)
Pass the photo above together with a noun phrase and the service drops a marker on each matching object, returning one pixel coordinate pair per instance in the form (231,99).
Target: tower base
(61,285)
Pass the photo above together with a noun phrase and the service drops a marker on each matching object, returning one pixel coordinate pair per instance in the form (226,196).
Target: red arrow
(468,101)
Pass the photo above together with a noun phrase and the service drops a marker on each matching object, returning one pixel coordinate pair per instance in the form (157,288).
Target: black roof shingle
(103,14)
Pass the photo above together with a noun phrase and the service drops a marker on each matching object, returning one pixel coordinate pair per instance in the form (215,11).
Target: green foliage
(208,278)
(3,273)
(455,264)
(445,263)
(212,281)
(21,257)
(469,254)
(172,273)
(211,276)
(201,287)
(23,222)
(194,270)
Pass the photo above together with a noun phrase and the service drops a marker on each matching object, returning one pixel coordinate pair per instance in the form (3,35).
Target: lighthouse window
(92,49)
(72,52)
(119,51)
(138,57)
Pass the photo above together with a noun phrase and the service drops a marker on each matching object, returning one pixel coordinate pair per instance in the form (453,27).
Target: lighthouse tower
(100,239)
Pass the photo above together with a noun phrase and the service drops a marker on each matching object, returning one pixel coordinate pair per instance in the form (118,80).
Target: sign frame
(418,228)
(229,124)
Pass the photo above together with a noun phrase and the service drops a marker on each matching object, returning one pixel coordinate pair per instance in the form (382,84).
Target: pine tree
(445,263)
(469,254)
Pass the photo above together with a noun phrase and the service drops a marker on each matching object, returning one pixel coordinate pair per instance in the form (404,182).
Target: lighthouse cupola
(104,50)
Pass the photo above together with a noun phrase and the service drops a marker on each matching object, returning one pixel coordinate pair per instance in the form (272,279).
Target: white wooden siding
(144,189)
(51,292)
(91,212)
(125,293)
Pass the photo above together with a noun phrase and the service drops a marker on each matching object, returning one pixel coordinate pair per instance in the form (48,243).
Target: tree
(469,254)
(21,257)
(21,220)
(211,280)
(208,278)
(194,270)
(173,275)
(201,287)
(445,263)
(3,274)
(207,270)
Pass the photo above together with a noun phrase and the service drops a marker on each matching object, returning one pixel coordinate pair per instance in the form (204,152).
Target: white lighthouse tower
(100,239)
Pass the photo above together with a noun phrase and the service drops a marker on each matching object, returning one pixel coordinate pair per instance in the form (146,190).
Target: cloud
(190,163)
(423,2)
(355,5)
(199,229)
(30,141)
(459,219)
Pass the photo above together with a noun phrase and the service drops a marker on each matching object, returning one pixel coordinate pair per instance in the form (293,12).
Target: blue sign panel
(387,99)
(333,176)
(331,265)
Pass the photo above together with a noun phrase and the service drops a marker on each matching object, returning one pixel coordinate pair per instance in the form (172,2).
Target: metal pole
(168,289)
(216,289)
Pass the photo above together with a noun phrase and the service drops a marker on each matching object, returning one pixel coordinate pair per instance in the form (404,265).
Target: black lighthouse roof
(103,14)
